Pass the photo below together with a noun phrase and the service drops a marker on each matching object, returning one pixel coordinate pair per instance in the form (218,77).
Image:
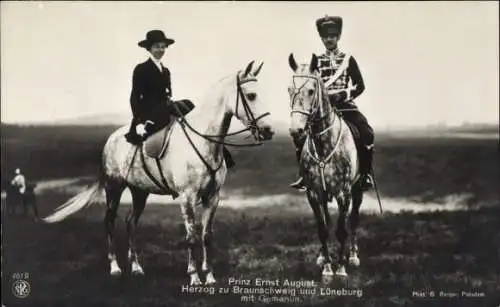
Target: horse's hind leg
(343,201)
(188,215)
(114,192)
(207,236)
(357,199)
(139,198)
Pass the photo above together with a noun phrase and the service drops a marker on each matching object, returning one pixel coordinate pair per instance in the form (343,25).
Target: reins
(252,126)
(310,135)
(317,107)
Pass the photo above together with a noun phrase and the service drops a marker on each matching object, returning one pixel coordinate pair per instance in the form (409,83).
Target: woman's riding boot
(132,137)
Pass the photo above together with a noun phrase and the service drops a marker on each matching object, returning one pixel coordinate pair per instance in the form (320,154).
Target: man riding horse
(344,83)
(150,99)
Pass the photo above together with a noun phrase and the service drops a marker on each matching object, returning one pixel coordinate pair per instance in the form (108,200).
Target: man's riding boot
(227,156)
(299,183)
(367,180)
(132,137)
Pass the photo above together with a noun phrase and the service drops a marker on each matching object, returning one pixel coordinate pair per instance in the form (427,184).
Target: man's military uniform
(342,78)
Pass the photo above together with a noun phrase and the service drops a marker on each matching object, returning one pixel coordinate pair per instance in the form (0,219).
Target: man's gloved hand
(338,97)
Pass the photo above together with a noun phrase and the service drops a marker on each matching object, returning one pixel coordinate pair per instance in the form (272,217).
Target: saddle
(156,142)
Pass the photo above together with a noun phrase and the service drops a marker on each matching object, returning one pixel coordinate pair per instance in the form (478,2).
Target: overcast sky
(423,63)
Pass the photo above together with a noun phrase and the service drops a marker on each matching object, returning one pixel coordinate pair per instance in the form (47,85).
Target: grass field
(400,253)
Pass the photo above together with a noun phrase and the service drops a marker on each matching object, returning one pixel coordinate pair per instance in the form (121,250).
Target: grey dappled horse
(192,168)
(329,161)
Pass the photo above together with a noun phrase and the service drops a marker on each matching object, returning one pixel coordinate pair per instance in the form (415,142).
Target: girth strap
(163,187)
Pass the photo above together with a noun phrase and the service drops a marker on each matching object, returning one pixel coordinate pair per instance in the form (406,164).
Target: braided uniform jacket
(340,73)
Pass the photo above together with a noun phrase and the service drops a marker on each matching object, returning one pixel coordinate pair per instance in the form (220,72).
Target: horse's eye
(251,96)
(310,92)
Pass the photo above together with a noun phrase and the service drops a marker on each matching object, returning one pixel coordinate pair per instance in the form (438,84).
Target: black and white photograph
(250,153)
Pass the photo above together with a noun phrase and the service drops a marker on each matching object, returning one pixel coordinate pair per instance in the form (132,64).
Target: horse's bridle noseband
(311,116)
(252,125)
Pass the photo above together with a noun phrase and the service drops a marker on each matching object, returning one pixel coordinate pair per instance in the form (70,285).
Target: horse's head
(306,95)
(247,106)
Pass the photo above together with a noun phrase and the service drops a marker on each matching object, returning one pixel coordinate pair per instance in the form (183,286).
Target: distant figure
(22,192)
(151,95)
(29,200)
(344,82)
(19,182)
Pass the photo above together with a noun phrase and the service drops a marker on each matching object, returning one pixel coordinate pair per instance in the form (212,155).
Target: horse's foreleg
(207,236)
(188,215)
(324,259)
(341,232)
(113,195)
(357,199)
(139,202)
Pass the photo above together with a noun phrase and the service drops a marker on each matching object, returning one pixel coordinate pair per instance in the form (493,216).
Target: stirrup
(367,182)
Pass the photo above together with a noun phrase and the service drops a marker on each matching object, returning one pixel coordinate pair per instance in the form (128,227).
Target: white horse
(192,168)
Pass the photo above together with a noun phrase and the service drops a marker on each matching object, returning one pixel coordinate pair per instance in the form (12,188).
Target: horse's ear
(256,72)
(248,69)
(314,64)
(292,63)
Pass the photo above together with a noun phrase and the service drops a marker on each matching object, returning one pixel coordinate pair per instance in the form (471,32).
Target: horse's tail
(77,203)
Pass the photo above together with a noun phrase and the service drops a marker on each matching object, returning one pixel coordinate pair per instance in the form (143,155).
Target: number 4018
(20,275)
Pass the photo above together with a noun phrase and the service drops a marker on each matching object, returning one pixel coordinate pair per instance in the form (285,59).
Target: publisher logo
(21,288)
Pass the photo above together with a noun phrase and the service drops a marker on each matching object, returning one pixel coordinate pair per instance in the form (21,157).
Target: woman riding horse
(151,88)
(151,94)
(344,82)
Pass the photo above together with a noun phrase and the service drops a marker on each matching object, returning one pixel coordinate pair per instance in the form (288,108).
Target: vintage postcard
(230,153)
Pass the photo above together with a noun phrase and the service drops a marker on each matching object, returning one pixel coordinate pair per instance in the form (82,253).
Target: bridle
(250,126)
(312,118)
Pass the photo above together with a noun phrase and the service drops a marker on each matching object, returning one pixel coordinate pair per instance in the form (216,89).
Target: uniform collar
(332,53)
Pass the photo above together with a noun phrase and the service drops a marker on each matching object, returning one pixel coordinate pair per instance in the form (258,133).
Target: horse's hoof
(354,261)
(136,269)
(320,260)
(115,270)
(327,270)
(195,280)
(341,272)
(210,279)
